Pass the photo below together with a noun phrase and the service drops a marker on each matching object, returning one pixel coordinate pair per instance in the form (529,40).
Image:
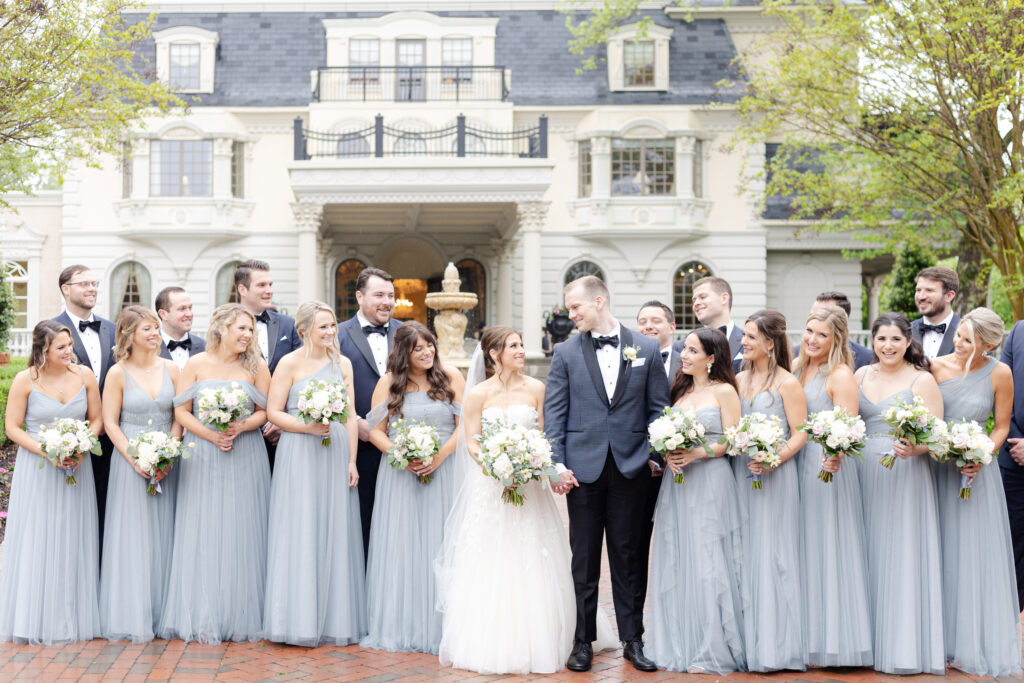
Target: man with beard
(936,288)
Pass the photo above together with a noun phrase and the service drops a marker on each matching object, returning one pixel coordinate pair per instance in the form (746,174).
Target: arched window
(129,284)
(345,304)
(475,280)
(682,293)
(16,275)
(410,144)
(581,268)
(225,284)
(353,145)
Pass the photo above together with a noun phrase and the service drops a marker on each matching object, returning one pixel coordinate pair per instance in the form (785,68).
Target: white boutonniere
(629,353)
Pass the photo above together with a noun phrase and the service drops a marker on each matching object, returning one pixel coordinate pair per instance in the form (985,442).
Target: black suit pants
(1013,487)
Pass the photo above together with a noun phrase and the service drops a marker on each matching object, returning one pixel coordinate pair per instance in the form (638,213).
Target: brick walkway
(99,660)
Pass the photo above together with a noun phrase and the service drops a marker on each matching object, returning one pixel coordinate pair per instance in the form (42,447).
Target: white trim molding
(207,41)
(659,35)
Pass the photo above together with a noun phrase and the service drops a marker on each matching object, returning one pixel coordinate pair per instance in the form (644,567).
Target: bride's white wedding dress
(503,577)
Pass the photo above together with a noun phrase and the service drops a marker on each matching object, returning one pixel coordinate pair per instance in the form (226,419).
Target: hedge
(7,373)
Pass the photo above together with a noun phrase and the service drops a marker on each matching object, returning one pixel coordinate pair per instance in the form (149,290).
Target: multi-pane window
(643,167)
(184,66)
(586,168)
(238,169)
(129,285)
(365,53)
(698,169)
(126,170)
(181,168)
(345,277)
(682,293)
(224,285)
(581,268)
(456,52)
(638,63)
(16,275)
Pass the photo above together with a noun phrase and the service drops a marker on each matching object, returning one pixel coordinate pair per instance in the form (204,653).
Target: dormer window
(186,58)
(638,58)
(638,63)
(184,68)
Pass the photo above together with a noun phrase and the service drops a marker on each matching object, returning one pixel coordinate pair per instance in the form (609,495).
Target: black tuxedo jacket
(282,338)
(947,339)
(106,345)
(354,346)
(198,346)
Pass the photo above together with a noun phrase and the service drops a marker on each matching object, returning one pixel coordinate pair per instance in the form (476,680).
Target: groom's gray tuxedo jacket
(582,422)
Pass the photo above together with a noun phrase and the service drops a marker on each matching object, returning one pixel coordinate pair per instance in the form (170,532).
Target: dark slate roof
(265,59)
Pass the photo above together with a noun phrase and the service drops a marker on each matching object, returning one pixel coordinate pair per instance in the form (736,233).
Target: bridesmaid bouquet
(155,452)
(966,443)
(837,432)
(913,422)
(324,401)
(413,440)
(677,430)
(65,438)
(218,408)
(515,456)
(759,437)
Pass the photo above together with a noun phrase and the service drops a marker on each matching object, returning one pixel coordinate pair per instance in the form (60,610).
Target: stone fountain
(450,321)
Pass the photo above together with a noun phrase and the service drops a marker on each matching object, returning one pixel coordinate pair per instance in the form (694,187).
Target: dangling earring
(710,363)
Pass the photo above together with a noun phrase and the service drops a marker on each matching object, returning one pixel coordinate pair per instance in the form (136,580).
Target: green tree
(69,88)
(7,310)
(902,281)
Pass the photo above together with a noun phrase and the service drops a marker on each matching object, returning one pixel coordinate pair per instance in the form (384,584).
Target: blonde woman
(215,591)
(315,584)
(138,397)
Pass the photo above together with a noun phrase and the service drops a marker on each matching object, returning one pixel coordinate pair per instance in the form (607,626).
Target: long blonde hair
(223,317)
(304,319)
(127,322)
(839,354)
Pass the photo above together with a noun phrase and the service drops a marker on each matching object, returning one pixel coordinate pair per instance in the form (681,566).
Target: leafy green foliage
(902,281)
(7,373)
(7,310)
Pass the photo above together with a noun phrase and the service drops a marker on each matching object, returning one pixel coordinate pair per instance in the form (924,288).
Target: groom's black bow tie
(940,328)
(84,325)
(264,318)
(664,356)
(724,329)
(185,343)
(375,329)
(611,340)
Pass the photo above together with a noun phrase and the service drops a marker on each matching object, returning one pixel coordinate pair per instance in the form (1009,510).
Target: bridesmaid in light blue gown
(981,622)
(138,397)
(409,517)
(774,632)
(219,563)
(832,523)
(49,578)
(695,622)
(316,592)
(900,509)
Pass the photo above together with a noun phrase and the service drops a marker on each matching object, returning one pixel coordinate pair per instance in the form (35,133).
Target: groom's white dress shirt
(608,358)
(378,344)
(91,341)
(668,362)
(932,341)
(178,355)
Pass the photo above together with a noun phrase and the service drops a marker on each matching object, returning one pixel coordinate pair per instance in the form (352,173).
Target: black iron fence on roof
(411,84)
(457,140)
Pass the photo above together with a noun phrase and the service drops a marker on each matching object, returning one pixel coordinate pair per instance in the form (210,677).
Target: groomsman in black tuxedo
(174,306)
(1011,454)
(94,348)
(712,304)
(275,332)
(936,288)
(366,339)
(861,354)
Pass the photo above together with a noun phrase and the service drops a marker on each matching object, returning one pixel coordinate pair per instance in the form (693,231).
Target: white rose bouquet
(677,430)
(838,433)
(156,451)
(965,443)
(913,422)
(62,440)
(515,456)
(218,408)
(758,436)
(324,401)
(413,440)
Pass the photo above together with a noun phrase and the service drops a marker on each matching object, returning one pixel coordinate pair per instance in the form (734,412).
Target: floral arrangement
(324,401)
(630,353)
(218,408)
(838,433)
(63,440)
(759,437)
(913,422)
(155,452)
(412,440)
(515,456)
(677,430)
(965,443)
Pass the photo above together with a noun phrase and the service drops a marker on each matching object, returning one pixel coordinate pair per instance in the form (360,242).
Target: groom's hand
(566,482)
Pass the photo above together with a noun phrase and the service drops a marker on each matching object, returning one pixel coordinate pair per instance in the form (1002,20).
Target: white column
(531,220)
(307,225)
(874,287)
(685,148)
(323,277)
(503,311)
(221,180)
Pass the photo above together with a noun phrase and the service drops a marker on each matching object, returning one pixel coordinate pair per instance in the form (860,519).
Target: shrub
(7,373)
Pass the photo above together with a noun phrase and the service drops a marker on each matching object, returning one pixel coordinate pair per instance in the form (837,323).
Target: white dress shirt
(91,341)
(378,344)
(931,341)
(608,358)
(178,355)
(668,362)
(263,340)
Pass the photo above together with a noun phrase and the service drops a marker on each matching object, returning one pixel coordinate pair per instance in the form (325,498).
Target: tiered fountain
(450,321)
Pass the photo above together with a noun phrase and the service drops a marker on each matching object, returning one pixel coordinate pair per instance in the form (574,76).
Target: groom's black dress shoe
(634,652)
(579,658)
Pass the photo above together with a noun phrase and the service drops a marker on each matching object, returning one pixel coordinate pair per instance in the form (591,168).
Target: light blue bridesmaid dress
(139,532)
(771,586)
(904,566)
(405,536)
(218,568)
(695,621)
(835,566)
(50,578)
(981,622)
(316,591)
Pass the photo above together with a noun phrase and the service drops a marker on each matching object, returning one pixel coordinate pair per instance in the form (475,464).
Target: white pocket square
(283,338)
(639,362)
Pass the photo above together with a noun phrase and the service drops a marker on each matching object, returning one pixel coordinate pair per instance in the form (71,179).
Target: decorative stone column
(685,150)
(531,220)
(874,287)
(601,179)
(504,249)
(307,225)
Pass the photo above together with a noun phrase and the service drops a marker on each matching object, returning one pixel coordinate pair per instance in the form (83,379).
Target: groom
(605,386)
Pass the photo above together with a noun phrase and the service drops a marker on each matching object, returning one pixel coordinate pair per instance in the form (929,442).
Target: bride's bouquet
(759,437)
(65,438)
(515,456)
(324,401)
(913,422)
(218,408)
(965,443)
(413,440)
(156,451)
(837,432)
(677,430)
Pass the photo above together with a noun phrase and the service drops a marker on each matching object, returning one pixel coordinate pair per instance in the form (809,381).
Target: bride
(503,577)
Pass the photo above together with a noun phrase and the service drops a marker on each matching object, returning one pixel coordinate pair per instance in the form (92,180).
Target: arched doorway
(417,267)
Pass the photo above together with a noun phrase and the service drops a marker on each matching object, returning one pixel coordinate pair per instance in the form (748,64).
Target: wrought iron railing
(410,84)
(458,140)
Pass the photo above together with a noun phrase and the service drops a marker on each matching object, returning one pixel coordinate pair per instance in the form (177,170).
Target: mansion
(325,136)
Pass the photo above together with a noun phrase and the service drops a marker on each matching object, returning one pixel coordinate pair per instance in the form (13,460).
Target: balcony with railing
(410,84)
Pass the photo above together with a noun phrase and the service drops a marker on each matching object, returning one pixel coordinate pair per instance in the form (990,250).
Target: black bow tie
(375,329)
(610,340)
(724,330)
(185,343)
(264,318)
(940,328)
(84,325)
(664,356)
